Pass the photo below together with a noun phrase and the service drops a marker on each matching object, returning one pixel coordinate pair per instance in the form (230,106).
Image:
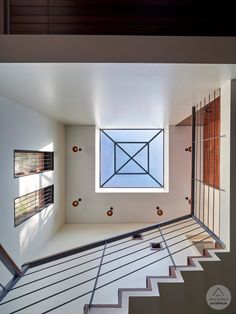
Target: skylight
(132,158)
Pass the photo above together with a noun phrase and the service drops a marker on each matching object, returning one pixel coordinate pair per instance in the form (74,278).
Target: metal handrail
(90,246)
(188,224)
(2,287)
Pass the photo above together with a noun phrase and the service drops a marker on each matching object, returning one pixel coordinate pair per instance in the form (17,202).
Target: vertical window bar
(28,205)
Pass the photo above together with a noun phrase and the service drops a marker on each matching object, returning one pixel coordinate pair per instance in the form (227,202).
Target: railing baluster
(200,158)
(193,162)
(209,158)
(211,233)
(98,273)
(214,163)
(167,247)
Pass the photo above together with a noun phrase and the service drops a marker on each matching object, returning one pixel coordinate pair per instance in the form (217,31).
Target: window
(131,158)
(30,204)
(31,162)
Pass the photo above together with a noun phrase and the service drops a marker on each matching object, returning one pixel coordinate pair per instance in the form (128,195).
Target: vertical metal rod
(204,160)
(208,156)
(168,250)
(197,157)
(98,273)
(114,158)
(214,236)
(214,164)
(193,160)
(219,234)
(196,160)
(200,157)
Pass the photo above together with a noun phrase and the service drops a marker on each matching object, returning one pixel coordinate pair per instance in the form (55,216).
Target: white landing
(65,285)
(74,235)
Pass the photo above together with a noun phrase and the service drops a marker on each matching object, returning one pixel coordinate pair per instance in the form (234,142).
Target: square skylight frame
(163,188)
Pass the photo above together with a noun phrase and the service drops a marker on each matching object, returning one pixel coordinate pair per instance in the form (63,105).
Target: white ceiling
(112,95)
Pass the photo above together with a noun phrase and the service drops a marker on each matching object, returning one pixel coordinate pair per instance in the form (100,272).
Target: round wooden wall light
(75,203)
(76,149)
(159,211)
(110,212)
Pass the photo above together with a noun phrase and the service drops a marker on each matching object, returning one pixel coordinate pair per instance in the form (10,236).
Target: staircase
(101,277)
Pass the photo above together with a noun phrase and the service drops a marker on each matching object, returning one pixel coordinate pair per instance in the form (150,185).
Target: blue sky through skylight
(132,158)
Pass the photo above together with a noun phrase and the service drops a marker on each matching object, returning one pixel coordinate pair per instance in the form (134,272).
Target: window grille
(30,204)
(31,162)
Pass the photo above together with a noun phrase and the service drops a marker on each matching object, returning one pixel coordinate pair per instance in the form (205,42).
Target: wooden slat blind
(147,17)
(211,144)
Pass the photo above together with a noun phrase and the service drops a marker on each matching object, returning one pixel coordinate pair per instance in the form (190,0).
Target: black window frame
(48,162)
(49,201)
(162,185)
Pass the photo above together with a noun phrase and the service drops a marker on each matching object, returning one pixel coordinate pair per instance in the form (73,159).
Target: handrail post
(193,161)
(96,280)
(8,262)
(167,247)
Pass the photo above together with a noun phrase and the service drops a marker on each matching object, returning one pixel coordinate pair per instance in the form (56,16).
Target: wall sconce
(75,203)
(75,149)
(110,212)
(159,211)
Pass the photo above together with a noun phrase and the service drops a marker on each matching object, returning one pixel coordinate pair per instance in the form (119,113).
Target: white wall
(129,207)
(22,128)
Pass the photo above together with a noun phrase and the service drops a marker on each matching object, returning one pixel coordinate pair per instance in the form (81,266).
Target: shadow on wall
(34,225)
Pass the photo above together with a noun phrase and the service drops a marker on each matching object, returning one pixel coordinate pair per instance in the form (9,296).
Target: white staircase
(129,268)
